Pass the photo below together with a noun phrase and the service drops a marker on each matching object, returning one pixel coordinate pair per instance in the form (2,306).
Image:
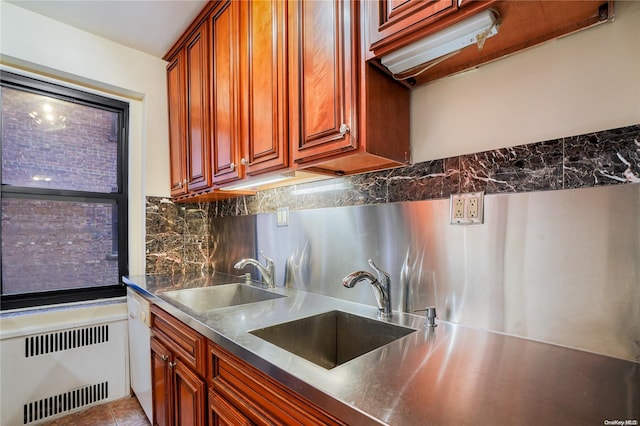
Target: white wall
(34,44)
(588,81)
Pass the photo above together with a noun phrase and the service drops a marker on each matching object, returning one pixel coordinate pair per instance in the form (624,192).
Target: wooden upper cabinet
(261,86)
(187,85)
(177,125)
(392,18)
(198,147)
(346,116)
(263,79)
(225,135)
(323,78)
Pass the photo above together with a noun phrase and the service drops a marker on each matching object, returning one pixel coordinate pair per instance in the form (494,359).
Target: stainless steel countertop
(450,374)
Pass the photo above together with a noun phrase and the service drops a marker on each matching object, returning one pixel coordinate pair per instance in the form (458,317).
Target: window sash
(118,198)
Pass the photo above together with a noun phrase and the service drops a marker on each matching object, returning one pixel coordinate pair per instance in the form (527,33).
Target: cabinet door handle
(172,364)
(232,166)
(244,162)
(344,129)
(164,358)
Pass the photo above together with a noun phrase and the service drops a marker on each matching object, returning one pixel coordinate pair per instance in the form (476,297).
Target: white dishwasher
(140,349)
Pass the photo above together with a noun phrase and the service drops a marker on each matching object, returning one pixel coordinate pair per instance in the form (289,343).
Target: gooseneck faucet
(381,287)
(268,272)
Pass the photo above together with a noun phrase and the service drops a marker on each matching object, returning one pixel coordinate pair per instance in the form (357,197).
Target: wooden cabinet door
(225,137)
(323,77)
(197,94)
(391,17)
(223,413)
(177,118)
(161,382)
(189,396)
(264,86)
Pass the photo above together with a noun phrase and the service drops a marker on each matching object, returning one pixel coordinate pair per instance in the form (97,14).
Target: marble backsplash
(179,236)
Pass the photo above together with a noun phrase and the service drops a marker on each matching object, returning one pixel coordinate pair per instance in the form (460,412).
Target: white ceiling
(147,25)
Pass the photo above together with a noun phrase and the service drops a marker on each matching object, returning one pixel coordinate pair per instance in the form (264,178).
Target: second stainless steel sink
(332,338)
(204,299)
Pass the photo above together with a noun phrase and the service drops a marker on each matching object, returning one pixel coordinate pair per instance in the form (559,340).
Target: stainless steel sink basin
(207,298)
(332,338)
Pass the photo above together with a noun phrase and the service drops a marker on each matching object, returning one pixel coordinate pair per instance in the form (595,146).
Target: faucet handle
(382,275)
(267,258)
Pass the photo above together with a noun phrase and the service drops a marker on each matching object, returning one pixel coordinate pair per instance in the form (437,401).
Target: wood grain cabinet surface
(345,115)
(187,86)
(260,86)
(249,92)
(264,97)
(225,47)
(177,124)
(197,85)
(241,394)
(228,97)
(392,19)
(179,392)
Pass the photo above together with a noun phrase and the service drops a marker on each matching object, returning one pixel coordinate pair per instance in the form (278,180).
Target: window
(64,194)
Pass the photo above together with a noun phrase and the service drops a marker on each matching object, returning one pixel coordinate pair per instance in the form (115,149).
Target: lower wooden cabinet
(161,383)
(179,391)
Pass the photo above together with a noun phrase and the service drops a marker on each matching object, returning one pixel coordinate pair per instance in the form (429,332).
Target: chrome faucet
(268,272)
(381,287)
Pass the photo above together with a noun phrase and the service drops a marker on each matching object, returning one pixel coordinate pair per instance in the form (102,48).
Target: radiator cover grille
(65,340)
(65,402)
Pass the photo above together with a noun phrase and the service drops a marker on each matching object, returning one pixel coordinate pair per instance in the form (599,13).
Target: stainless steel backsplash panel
(557,266)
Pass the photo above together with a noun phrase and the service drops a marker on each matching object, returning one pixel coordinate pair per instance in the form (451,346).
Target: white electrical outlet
(282,216)
(458,208)
(472,207)
(467,208)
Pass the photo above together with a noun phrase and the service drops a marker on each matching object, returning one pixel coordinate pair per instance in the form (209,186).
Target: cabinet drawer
(257,396)
(188,345)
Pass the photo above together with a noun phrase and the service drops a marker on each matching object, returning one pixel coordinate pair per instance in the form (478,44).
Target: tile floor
(123,412)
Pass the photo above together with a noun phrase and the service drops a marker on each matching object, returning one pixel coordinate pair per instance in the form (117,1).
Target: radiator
(59,362)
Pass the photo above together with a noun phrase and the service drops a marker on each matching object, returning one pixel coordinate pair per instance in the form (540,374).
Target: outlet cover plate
(282,216)
(467,208)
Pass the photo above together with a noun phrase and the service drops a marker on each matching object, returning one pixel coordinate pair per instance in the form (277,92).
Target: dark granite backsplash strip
(604,158)
(424,181)
(525,168)
(179,238)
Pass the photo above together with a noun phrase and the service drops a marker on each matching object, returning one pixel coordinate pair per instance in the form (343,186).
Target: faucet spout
(267,272)
(381,287)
